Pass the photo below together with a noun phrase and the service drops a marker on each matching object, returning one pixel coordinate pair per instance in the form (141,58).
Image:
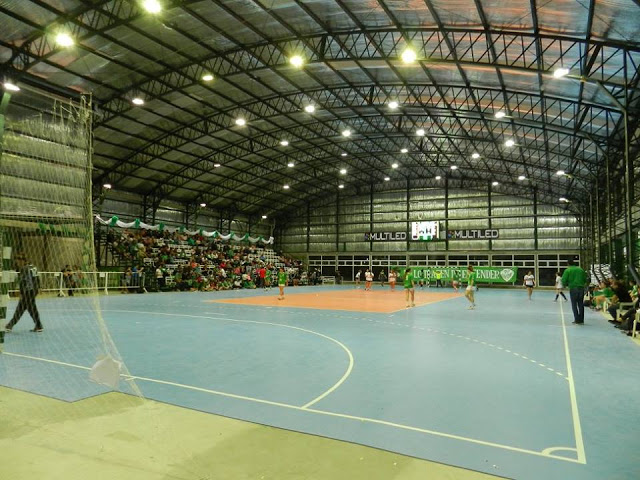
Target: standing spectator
(382,277)
(438,278)
(358,278)
(575,278)
(67,275)
(159,278)
(29,285)
(262,273)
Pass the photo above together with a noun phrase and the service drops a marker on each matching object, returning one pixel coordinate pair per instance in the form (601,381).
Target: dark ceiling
(474,58)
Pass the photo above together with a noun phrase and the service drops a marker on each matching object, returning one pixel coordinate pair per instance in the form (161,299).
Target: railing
(58,282)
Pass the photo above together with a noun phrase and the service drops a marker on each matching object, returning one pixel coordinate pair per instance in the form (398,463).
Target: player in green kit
(471,284)
(267,277)
(409,289)
(282,282)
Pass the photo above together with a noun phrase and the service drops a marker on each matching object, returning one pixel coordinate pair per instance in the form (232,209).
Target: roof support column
(446,212)
(535,218)
(371,216)
(489,191)
(408,227)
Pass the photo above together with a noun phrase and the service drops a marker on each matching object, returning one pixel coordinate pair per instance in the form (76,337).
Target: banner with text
(483,274)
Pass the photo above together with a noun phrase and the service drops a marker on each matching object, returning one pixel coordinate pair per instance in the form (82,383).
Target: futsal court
(510,388)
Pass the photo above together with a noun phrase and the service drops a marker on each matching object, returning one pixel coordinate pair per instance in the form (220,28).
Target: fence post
(106,283)
(60,290)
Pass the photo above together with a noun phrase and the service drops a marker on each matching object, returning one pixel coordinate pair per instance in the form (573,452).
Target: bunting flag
(116,222)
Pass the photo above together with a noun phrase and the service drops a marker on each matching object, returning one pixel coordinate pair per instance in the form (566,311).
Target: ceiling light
(203,205)
(420,132)
(64,39)
(343,154)
(216,165)
(207,77)
(560,72)
(509,143)
(475,155)
(394,165)
(264,216)
(454,167)
(107,186)
(522,177)
(500,114)
(346,133)
(386,179)
(495,184)
(560,172)
(297,61)
(309,109)
(438,177)
(343,171)
(12,87)
(290,164)
(286,187)
(393,105)
(241,122)
(152,6)
(408,56)
(284,143)
(562,199)
(404,150)
(341,186)
(137,101)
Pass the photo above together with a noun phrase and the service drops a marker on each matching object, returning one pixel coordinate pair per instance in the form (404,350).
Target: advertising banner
(472,234)
(483,274)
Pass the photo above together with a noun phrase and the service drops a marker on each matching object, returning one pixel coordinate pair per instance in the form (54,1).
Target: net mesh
(49,271)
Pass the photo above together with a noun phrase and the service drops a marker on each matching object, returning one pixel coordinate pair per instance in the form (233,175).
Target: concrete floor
(118,436)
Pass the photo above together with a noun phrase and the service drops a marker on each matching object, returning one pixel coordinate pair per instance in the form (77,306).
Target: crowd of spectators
(177,261)
(619,298)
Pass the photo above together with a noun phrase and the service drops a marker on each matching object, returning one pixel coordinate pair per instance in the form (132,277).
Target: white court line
(577,428)
(340,344)
(545,453)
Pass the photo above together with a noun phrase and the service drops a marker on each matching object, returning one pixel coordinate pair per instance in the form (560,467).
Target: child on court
(392,279)
(282,282)
(529,283)
(471,282)
(368,279)
(409,287)
(559,287)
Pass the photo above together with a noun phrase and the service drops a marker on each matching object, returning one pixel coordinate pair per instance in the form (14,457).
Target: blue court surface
(511,388)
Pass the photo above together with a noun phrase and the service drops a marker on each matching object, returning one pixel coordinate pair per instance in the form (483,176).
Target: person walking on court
(282,282)
(471,283)
(368,279)
(559,287)
(409,287)
(358,278)
(392,280)
(382,277)
(575,278)
(29,287)
(529,283)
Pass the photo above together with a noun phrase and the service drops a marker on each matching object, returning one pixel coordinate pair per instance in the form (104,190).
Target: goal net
(63,380)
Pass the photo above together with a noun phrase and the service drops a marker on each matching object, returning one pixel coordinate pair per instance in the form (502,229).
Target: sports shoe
(471,307)
(37,330)
(413,304)
(7,329)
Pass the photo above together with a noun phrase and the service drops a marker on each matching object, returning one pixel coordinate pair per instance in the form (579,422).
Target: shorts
(409,288)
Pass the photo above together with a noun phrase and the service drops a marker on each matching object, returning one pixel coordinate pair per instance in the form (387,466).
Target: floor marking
(226,319)
(577,428)
(545,453)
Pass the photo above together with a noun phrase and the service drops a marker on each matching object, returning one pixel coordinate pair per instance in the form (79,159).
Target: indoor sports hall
(330,239)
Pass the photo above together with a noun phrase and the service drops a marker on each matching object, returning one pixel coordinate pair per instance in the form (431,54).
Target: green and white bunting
(483,274)
(116,222)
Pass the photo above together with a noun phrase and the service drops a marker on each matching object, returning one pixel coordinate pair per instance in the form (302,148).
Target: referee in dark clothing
(29,286)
